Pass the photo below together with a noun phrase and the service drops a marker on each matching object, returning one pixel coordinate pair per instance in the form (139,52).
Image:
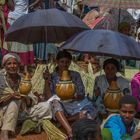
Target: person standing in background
(5,6)
(25,52)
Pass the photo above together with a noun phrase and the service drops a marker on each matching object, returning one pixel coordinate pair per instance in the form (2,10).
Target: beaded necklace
(14,84)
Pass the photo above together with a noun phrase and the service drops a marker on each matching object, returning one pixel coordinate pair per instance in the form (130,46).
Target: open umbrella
(104,42)
(48,26)
(125,4)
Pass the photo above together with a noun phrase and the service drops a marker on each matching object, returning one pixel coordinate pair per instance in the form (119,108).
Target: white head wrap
(10,55)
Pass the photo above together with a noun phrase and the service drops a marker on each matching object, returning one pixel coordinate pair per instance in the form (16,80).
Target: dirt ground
(42,136)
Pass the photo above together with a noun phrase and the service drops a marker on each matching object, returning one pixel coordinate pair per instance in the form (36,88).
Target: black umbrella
(50,26)
(104,42)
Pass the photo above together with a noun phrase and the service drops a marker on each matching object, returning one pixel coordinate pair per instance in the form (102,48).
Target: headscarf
(112,61)
(10,55)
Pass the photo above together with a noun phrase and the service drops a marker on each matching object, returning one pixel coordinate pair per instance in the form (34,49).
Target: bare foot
(4,135)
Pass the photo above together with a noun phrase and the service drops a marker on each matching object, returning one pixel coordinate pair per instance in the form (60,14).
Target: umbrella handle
(82,11)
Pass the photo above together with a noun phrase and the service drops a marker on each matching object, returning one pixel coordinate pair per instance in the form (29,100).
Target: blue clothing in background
(41,50)
(117,128)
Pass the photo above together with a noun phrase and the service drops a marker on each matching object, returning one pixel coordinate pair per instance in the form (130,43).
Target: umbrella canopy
(135,4)
(50,26)
(104,42)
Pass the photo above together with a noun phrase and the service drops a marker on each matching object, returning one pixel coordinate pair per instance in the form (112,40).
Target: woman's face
(110,70)
(63,64)
(11,66)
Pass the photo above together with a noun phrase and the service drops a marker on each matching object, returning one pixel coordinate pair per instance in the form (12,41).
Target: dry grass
(41,136)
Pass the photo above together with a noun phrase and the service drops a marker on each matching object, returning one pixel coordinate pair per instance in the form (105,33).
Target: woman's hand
(97,92)
(47,76)
(39,96)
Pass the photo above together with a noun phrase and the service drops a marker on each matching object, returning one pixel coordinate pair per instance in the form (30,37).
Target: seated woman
(109,88)
(11,99)
(77,107)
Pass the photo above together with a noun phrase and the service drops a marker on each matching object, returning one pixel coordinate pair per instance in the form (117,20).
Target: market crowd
(105,105)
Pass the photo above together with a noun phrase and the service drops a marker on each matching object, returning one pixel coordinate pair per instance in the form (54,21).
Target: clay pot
(65,89)
(112,97)
(25,85)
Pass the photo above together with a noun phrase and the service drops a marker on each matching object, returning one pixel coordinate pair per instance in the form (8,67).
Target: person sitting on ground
(76,108)
(86,129)
(11,99)
(111,66)
(123,125)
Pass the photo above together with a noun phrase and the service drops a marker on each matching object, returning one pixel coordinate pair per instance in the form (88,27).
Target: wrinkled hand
(39,96)
(17,95)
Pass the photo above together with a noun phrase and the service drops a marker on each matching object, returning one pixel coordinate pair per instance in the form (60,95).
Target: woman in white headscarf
(11,99)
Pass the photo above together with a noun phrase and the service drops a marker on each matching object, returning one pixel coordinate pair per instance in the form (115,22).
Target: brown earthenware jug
(25,85)
(112,97)
(65,89)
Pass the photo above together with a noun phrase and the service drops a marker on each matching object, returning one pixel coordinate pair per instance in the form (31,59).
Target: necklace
(13,83)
